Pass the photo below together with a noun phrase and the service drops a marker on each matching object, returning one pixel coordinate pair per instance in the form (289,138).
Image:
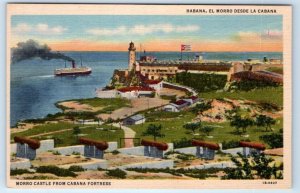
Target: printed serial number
(269,182)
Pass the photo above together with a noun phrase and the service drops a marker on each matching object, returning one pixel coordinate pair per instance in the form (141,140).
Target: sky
(218,33)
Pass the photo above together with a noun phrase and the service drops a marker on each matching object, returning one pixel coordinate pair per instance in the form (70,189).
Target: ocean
(35,89)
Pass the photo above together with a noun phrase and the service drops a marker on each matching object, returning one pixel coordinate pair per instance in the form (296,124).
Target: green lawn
(278,70)
(107,105)
(266,95)
(101,102)
(67,138)
(45,128)
(173,130)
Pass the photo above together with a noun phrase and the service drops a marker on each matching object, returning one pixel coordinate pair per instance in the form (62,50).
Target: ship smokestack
(73,64)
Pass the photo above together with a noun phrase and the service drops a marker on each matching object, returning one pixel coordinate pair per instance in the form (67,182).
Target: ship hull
(73,73)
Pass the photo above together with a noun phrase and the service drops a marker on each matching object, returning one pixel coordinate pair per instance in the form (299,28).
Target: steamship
(82,70)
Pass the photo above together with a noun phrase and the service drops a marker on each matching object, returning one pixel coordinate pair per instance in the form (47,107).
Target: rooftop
(135,88)
(180,102)
(255,145)
(152,81)
(193,97)
(137,117)
(209,145)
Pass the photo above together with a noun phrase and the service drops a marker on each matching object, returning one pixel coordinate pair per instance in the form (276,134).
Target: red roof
(159,145)
(102,145)
(193,98)
(33,143)
(180,102)
(255,145)
(135,88)
(209,145)
(152,81)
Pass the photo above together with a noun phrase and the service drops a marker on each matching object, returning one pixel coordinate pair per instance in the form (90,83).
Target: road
(128,133)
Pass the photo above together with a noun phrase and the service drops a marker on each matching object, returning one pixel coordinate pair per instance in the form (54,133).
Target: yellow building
(154,72)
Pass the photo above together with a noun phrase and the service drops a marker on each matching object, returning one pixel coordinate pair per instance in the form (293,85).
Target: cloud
(22,27)
(45,29)
(39,29)
(272,34)
(144,29)
(106,32)
(256,36)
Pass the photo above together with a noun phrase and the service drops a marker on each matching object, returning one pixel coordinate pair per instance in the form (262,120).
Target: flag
(185,47)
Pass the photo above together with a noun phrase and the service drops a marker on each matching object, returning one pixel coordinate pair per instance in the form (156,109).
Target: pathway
(137,104)
(191,90)
(128,133)
(49,133)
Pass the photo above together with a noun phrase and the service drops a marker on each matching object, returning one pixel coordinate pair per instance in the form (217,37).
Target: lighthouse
(131,56)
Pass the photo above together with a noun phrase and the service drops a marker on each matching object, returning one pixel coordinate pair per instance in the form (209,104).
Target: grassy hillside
(63,133)
(174,130)
(268,95)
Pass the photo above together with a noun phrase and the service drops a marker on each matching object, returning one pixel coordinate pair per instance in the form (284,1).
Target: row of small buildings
(28,148)
(148,89)
(172,107)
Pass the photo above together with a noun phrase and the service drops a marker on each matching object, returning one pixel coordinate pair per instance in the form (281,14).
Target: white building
(155,84)
(134,120)
(177,106)
(135,92)
(192,99)
(106,93)
(170,108)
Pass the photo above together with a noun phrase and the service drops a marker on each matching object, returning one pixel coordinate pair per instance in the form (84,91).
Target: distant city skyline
(255,33)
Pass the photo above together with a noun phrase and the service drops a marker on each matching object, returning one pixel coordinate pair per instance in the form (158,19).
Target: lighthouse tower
(131,56)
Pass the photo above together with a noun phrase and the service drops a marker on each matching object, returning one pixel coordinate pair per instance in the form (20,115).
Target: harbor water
(34,89)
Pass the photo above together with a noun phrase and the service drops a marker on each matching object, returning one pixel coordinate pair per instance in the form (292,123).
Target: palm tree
(265,121)
(153,130)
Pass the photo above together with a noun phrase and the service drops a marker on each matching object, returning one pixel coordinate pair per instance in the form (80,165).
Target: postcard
(116,96)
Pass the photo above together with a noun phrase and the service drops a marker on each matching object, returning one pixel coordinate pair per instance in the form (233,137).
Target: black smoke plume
(31,49)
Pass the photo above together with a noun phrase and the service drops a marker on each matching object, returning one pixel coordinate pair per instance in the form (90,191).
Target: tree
(229,114)
(265,121)
(274,140)
(206,129)
(97,119)
(76,131)
(258,166)
(110,121)
(192,126)
(241,123)
(201,107)
(153,130)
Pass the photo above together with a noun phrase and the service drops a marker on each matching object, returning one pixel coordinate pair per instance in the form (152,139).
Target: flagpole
(181,52)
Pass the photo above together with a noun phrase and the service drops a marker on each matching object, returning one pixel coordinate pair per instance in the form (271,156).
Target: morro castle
(149,68)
